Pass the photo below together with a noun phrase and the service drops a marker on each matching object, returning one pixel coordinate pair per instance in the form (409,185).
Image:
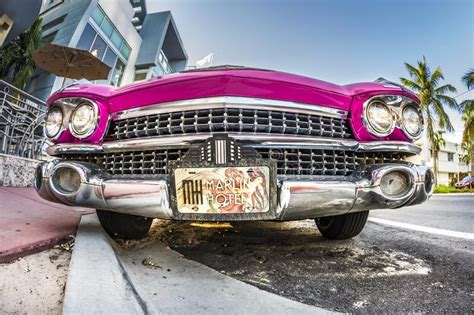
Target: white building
(450,164)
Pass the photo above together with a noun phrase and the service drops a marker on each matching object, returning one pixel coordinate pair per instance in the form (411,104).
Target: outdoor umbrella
(70,62)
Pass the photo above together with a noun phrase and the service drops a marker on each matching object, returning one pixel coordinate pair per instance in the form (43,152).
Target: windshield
(466,179)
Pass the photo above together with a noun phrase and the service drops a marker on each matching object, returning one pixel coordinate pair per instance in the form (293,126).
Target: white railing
(21,123)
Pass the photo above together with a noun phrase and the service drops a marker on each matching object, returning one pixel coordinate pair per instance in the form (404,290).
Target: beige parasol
(70,62)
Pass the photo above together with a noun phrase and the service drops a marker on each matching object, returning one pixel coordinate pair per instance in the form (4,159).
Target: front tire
(124,226)
(341,227)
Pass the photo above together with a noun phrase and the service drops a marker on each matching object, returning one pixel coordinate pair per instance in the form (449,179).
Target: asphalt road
(454,213)
(386,268)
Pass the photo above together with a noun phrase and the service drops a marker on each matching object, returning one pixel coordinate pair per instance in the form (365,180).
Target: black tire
(124,226)
(342,227)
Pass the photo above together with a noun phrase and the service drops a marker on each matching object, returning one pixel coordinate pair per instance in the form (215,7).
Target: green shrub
(441,189)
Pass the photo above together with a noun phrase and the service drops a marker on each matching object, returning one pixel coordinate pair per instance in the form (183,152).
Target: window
(94,43)
(32,86)
(117,73)
(104,23)
(107,27)
(116,38)
(49,38)
(157,71)
(125,50)
(450,157)
(87,37)
(164,63)
(98,48)
(140,76)
(110,57)
(53,23)
(49,4)
(98,16)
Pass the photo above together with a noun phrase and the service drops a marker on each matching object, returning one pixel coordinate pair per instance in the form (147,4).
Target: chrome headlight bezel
(93,124)
(60,126)
(370,125)
(417,135)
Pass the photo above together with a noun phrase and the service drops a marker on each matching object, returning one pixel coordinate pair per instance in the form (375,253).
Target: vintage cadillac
(234,144)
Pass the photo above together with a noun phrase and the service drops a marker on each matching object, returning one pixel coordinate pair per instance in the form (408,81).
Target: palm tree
(426,84)
(16,62)
(468,79)
(467,107)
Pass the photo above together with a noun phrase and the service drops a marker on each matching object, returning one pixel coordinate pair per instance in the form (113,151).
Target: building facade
(451,166)
(136,45)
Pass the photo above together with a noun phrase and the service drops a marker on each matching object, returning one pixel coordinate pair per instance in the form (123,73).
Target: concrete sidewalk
(30,224)
(118,283)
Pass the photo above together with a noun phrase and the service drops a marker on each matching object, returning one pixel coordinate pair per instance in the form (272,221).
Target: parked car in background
(464,183)
(232,144)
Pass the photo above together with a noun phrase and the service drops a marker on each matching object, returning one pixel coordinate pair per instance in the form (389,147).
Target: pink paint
(243,83)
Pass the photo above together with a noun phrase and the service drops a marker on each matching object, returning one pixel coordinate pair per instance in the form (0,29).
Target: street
(415,259)
(384,269)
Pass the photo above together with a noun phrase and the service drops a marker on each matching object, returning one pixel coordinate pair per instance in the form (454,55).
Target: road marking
(468,236)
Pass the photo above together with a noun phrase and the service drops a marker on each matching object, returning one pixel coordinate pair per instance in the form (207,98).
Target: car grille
(229,120)
(290,162)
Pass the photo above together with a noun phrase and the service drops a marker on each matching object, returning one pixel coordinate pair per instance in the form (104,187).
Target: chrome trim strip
(72,148)
(390,146)
(250,140)
(297,198)
(230,102)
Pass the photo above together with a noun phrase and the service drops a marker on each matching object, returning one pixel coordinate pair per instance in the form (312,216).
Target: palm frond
(447,100)
(467,106)
(411,85)
(424,70)
(447,88)
(468,79)
(414,73)
(443,118)
(436,76)
(17,55)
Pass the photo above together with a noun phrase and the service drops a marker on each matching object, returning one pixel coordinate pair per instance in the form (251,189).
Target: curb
(101,280)
(18,252)
(96,282)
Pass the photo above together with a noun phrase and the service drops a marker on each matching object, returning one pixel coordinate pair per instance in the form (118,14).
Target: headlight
(83,120)
(378,119)
(412,121)
(53,122)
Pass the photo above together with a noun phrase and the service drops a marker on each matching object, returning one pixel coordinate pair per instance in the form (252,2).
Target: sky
(340,41)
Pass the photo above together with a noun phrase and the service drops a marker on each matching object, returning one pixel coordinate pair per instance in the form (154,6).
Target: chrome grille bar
(290,161)
(238,120)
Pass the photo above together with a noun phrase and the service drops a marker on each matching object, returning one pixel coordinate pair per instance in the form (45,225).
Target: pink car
(234,144)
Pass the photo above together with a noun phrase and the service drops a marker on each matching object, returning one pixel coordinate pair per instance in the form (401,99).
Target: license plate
(221,190)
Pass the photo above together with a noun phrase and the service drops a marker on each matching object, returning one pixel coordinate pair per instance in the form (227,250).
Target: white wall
(443,179)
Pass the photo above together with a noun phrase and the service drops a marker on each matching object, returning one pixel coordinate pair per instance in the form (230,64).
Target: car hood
(230,81)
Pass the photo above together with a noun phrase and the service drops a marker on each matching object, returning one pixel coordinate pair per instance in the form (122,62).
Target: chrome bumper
(297,198)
